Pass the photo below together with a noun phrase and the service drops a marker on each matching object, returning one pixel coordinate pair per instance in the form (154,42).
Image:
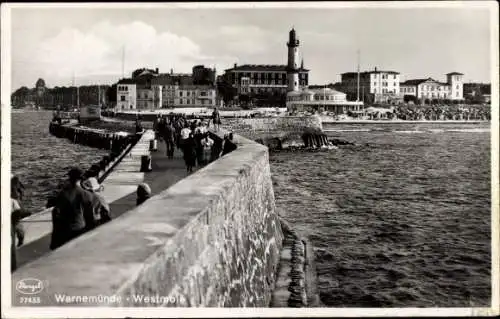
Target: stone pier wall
(213,239)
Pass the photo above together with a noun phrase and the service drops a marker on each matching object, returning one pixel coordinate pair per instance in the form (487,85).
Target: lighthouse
(293,62)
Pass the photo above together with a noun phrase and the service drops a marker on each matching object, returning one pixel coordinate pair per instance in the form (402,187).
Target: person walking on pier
(216,119)
(189,151)
(72,212)
(169,137)
(100,208)
(198,137)
(156,125)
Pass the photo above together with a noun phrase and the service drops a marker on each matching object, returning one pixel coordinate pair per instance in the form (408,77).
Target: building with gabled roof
(429,89)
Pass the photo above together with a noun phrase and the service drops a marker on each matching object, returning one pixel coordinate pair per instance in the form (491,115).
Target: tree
(111,94)
(410,98)
(226,91)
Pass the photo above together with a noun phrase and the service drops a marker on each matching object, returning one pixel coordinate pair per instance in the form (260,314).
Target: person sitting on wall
(99,205)
(229,146)
(72,212)
(143,193)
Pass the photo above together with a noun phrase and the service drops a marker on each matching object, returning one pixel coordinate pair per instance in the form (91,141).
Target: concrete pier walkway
(119,190)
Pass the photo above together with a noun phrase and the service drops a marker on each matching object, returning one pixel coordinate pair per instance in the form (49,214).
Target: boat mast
(357,99)
(123,61)
(72,86)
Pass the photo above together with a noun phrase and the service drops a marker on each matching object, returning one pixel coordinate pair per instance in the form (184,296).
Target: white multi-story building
(126,95)
(430,89)
(145,97)
(374,86)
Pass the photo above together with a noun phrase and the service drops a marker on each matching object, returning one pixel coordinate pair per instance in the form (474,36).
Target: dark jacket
(72,214)
(169,133)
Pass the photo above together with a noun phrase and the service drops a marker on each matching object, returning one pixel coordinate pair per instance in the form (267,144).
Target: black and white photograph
(250,159)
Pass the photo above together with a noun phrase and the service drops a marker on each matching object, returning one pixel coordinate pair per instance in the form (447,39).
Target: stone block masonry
(212,239)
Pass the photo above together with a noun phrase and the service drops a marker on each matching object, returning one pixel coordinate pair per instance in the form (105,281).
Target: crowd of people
(77,208)
(443,112)
(79,205)
(192,138)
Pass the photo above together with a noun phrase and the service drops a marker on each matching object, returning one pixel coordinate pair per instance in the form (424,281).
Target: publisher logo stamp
(29,286)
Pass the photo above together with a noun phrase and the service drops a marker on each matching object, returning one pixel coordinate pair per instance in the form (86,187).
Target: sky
(88,43)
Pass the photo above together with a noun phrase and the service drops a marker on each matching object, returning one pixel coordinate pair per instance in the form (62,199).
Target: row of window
(145,95)
(386,76)
(384,91)
(434,88)
(264,75)
(444,95)
(246,82)
(193,102)
(144,104)
(122,88)
(319,97)
(407,90)
(385,84)
(193,93)
(261,90)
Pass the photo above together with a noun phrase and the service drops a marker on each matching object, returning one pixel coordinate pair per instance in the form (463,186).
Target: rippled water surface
(402,219)
(42,160)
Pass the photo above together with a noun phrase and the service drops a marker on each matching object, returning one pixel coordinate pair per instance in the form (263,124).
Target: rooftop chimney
(156,70)
(171,71)
(375,69)
(235,65)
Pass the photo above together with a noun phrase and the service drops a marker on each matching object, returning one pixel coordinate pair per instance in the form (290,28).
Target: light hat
(92,184)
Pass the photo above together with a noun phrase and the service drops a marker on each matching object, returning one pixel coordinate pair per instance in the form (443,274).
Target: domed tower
(40,87)
(293,61)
